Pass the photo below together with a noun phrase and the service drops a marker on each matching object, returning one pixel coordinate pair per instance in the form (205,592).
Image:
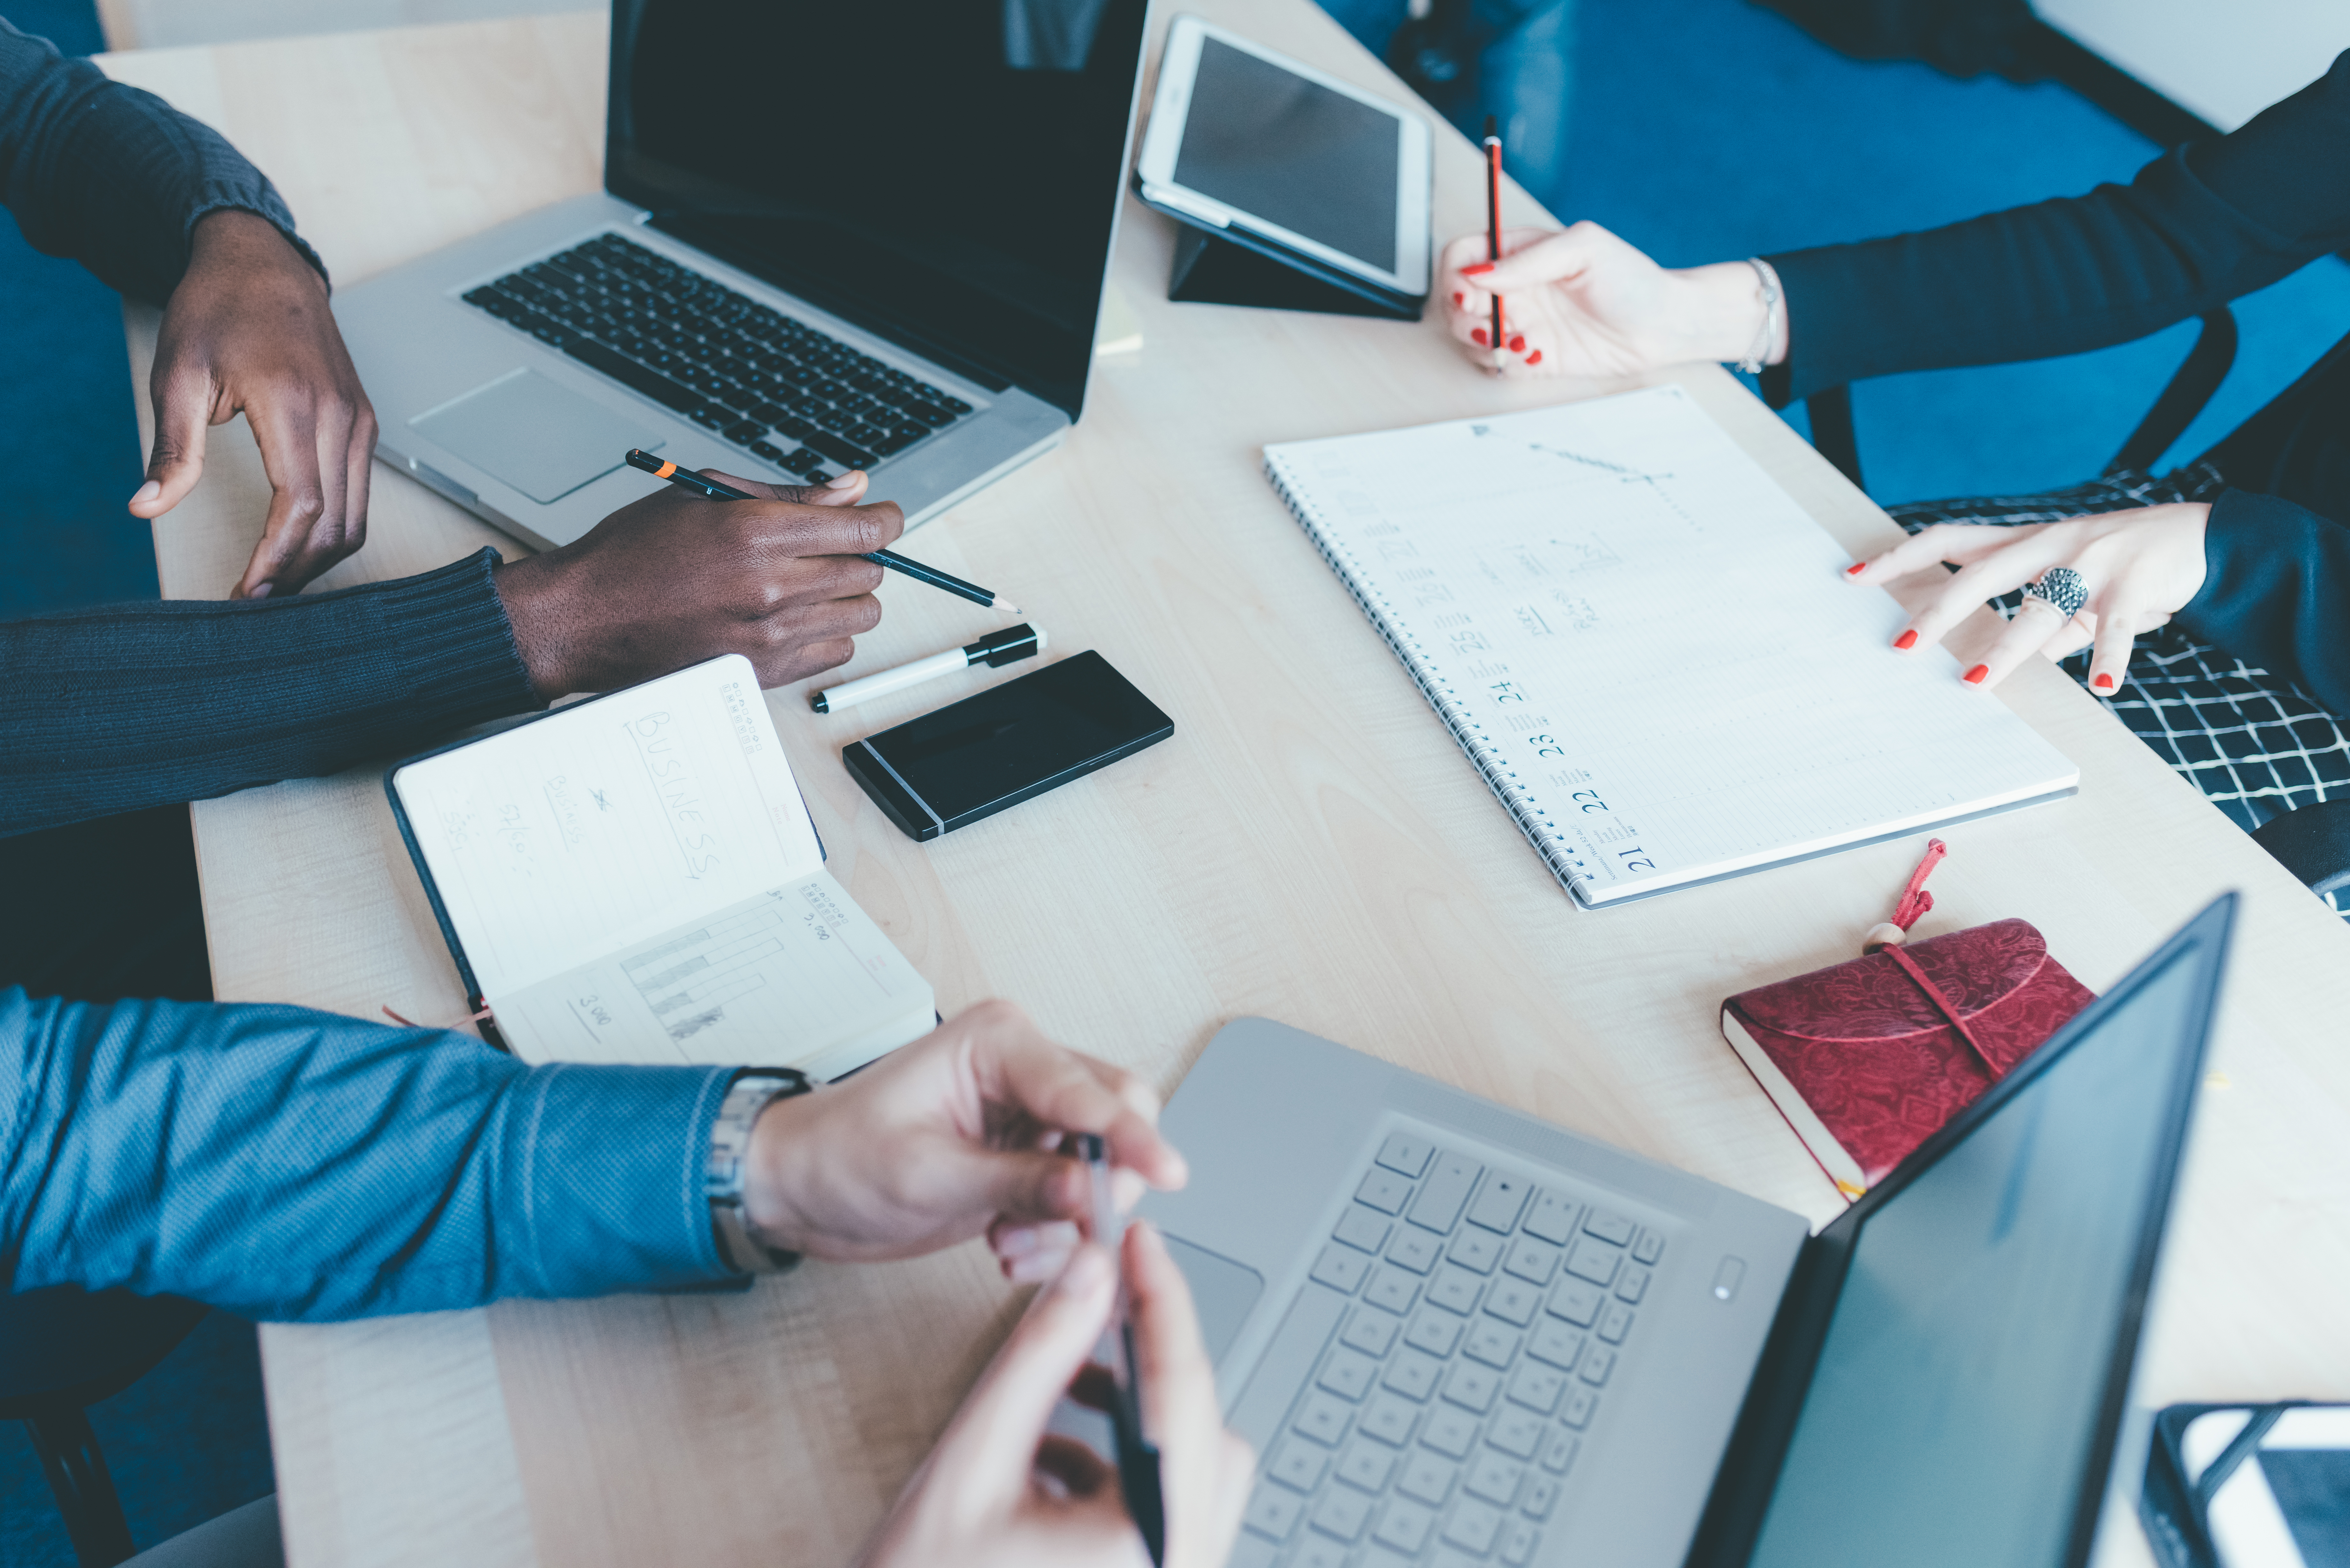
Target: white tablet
(1286,158)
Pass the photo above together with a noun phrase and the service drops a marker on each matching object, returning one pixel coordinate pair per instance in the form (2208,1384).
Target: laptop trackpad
(543,440)
(1224,1292)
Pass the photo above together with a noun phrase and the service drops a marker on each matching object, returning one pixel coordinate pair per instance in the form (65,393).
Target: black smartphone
(1010,744)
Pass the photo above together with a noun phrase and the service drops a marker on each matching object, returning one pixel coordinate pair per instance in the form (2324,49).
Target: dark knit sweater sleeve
(2195,229)
(114,177)
(113,709)
(2276,580)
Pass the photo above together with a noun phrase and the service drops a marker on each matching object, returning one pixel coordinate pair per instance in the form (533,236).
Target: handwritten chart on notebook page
(1645,643)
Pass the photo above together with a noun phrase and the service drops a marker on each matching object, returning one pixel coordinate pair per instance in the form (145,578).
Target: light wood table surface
(1310,846)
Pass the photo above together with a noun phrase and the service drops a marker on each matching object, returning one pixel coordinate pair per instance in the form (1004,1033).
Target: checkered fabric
(2253,742)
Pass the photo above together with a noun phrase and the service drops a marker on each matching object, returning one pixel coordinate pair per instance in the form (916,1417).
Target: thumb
(995,1434)
(183,413)
(846,490)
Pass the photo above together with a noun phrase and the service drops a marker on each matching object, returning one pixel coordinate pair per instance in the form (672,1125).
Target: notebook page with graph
(1644,645)
(635,878)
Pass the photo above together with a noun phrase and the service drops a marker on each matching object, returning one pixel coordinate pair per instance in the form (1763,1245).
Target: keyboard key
(1455,1289)
(1518,1542)
(769,451)
(1576,1301)
(1324,1419)
(744,432)
(1384,1191)
(1615,1322)
(1428,1478)
(1413,1375)
(1414,1250)
(1315,1553)
(1364,1228)
(1553,1217)
(1532,1261)
(1650,1247)
(1390,1420)
(1366,1465)
(1557,1342)
(1494,1478)
(1491,1344)
(1272,1512)
(1594,1260)
(1472,1527)
(1559,1450)
(1608,1227)
(1633,1284)
(1434,1331)
(1518,1433)
(1472,1387)
(846,453)
(1514,1300)
(1371,1332)
(1542,1496)
(803,461)
(1537,1388)
(1406,1153)
(1581,1404)
(1340,1268)
(1404,1527)
(1446,1192)
(1349,1373)
(1298,1465)
(1392,1290)
(1449,1431)
(712,416)
(633,376)
(1251,1552)
(1499,1202)
(1342,1514)
(1476,1250)
(1596,1365)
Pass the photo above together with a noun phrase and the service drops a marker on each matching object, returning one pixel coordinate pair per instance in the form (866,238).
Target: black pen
(661,469)
(1493,211)
(1138,1461)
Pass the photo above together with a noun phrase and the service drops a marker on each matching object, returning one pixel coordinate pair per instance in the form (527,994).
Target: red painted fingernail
(1518,343)
(1534,358)
(1907,641)
(1458,298)
(1478,337)
(1974,677)
(1856,569)
(1477,269)
(2103,683)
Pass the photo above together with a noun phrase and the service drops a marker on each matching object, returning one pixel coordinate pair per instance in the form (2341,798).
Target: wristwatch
(752,1092)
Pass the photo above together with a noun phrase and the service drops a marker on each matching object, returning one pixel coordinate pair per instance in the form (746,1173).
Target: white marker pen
(1009,646)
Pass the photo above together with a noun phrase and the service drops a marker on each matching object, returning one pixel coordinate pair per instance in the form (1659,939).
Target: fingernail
(1518,343)
(2103,683)
(262,592)
(1478,336)
(1856,569)
(1974,677)
(1906,642)
(845,481)
(1477,270)
(1459,299)
(1534,358)
(147,492)
(1016,1242)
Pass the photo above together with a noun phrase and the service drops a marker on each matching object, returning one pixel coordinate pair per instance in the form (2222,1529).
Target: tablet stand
(1213,271)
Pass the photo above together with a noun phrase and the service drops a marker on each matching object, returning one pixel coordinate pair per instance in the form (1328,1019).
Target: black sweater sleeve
(2274,577)
(2196,228)
(113,709)
(114,177)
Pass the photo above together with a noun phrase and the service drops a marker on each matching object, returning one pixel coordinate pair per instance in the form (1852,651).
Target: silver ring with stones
(2063,589)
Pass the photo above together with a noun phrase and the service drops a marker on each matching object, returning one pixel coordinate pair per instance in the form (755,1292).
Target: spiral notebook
(1642,643)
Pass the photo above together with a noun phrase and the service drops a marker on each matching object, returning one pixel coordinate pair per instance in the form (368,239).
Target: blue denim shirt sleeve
(283,1164)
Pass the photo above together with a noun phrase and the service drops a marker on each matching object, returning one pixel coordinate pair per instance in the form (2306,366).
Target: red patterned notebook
(1869,1059)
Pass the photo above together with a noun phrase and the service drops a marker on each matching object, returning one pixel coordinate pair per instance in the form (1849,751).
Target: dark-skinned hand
(248,329)
(676,578)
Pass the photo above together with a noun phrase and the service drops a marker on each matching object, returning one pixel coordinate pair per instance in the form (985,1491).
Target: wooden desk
(1311,847)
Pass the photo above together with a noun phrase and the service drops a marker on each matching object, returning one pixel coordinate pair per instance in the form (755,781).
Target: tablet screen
(1280,148)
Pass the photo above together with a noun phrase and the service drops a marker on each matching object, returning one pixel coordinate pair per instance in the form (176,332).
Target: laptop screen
(1971,1367)
(947,172)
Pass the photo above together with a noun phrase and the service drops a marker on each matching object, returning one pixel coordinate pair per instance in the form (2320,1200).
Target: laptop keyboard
(775,387)
(1483,1319)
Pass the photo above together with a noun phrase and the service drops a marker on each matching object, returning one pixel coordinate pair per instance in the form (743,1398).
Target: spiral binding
(1564,864)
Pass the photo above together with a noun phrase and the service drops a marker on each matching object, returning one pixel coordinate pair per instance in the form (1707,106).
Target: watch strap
(725,1170)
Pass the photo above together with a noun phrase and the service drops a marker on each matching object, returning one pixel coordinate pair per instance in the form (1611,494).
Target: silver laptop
(1459,1336)
(868,235)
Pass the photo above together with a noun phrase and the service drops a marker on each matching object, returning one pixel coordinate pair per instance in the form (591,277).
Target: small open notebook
(635,878)
(1642,643)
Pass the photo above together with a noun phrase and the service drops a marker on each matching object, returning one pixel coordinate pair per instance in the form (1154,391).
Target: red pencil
(1493,209)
